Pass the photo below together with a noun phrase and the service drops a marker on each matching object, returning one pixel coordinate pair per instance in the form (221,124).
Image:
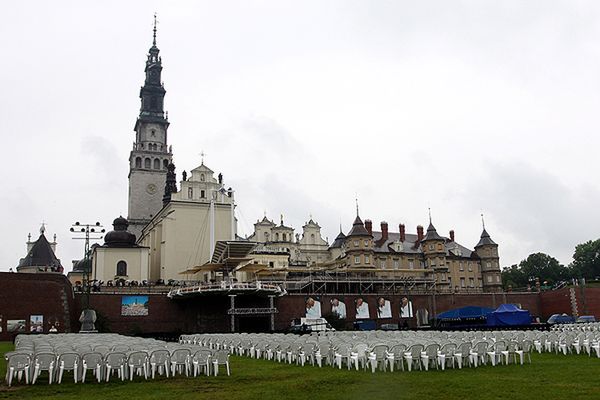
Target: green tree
(513,276)
(586,260)
(537,265)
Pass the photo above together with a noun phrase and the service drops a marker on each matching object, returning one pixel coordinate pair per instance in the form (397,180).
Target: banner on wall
(136,306)
(384,308)
(312,307)
(338,307)
(15,325)
(36,323)
(406,310)
(362,308)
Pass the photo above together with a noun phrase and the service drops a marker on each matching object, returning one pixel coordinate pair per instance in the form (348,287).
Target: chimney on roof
(402,233)
(452,235)
(419,233)
(384,231)
(369,226)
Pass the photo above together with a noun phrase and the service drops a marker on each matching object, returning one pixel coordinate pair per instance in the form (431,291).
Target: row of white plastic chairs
(380,350)
(586,326)
(105,355)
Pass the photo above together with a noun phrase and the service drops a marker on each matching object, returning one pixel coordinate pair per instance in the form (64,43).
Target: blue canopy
(469,312)
(508,314)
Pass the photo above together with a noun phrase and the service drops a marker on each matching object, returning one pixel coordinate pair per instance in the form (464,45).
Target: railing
(227,287)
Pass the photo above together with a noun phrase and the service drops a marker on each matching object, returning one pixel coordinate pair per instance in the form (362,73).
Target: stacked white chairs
(106,355)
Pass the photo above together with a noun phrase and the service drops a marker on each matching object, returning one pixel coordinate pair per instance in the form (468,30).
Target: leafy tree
(513,276)
(536,265)
(586,260)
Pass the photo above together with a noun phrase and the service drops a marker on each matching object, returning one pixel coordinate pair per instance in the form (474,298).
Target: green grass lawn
(548,377)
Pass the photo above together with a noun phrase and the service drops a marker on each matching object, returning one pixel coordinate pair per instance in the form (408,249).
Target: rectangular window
(489,279)
(367,260)
(411,264)
(472,282)
(356,260)
(356,243)
(202,194)
(462,282)
(396,264)
(488,265)
(460,266)
(382,264)
(366,243)
(497,278)
(470,266)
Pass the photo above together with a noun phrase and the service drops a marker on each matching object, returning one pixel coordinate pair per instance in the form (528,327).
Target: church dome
(119,236)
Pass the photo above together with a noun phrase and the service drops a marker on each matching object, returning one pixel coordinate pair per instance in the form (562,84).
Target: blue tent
(508,314)
(465,313)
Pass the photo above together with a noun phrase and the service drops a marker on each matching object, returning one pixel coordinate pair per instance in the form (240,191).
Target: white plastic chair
(180,359)
(68,362)
(92,361)
(115,361)
(43,362)
(138,362)
(18,364)
(221,357)
(160,360)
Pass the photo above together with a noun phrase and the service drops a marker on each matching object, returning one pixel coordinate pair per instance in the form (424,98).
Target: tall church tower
(150,155)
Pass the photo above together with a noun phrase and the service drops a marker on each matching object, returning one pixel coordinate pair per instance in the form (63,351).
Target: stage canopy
(507,315)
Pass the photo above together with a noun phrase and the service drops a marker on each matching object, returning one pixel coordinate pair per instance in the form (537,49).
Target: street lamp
(87,232)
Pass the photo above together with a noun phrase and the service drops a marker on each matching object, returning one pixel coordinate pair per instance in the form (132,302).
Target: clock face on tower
(151,188)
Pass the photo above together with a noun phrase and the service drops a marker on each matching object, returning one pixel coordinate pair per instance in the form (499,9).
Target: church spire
(154,30)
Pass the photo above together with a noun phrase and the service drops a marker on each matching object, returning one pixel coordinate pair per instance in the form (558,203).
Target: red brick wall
(293,306)
(23,295)
(559,301)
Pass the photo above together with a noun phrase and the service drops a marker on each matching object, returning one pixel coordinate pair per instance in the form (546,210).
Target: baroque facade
(363,252)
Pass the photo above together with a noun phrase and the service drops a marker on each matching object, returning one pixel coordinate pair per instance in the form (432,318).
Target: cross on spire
(482,221)
(202,154)
(154,30)
(429,208)
(356,199)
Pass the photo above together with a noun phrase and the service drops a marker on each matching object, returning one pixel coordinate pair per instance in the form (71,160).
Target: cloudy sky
(461,106)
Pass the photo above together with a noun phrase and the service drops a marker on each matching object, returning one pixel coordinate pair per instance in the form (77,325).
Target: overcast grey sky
(461,106)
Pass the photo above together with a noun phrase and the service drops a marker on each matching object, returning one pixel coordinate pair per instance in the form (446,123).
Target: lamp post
(87,232)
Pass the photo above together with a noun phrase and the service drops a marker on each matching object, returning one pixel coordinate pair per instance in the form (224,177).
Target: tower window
(138,162)
(121,268)
(147,163)
(165,163)
(156,163)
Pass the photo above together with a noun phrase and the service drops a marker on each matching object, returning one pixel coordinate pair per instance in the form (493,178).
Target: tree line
(585,264)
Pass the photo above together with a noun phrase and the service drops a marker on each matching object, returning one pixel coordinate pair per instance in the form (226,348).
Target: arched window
(277,237)
(121,268)
(156,163)
(147,163)
(138,162)
(312,238)
(266,236)
(284,237)
(165,163)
